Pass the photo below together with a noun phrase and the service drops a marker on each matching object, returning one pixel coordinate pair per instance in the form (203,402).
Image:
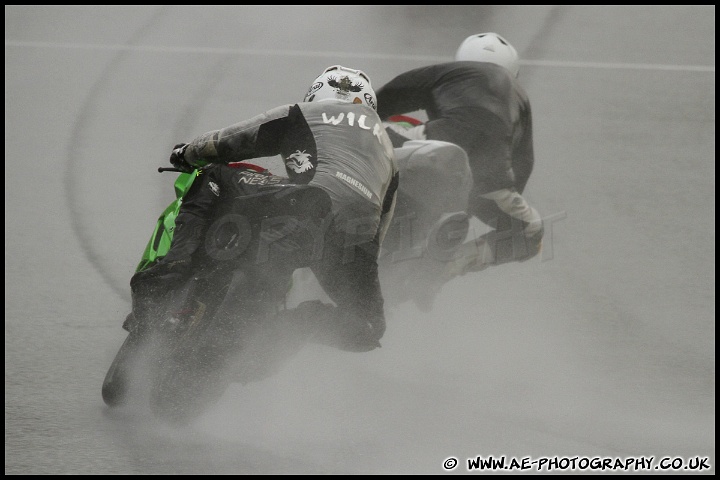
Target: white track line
(375,56)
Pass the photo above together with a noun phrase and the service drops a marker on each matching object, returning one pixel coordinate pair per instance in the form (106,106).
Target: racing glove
(177,158)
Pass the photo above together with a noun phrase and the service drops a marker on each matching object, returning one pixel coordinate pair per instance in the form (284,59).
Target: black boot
(328,325)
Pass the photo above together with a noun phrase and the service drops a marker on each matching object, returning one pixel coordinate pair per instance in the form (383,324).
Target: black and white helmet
(344,84)
(489,47)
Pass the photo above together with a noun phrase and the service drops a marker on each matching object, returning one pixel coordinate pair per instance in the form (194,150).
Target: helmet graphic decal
(299,162)
(370,101)
(314,88)
(345,85)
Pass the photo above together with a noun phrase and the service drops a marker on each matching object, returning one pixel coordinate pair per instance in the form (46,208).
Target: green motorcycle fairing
(161,238)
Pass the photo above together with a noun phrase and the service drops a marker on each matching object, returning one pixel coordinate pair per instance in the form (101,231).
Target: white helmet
(489,47)
(344,84)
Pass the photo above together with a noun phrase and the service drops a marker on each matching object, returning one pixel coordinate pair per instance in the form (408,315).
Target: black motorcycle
(226,324)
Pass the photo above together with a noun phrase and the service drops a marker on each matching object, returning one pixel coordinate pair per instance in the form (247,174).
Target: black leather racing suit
(343,149)
(482,108)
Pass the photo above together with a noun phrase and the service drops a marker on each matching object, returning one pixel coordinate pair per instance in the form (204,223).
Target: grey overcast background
(604,347)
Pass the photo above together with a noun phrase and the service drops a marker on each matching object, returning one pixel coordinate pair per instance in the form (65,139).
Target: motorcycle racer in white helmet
(476,102)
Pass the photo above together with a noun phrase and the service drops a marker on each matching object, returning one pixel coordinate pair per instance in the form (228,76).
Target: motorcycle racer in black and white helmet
(333,140)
